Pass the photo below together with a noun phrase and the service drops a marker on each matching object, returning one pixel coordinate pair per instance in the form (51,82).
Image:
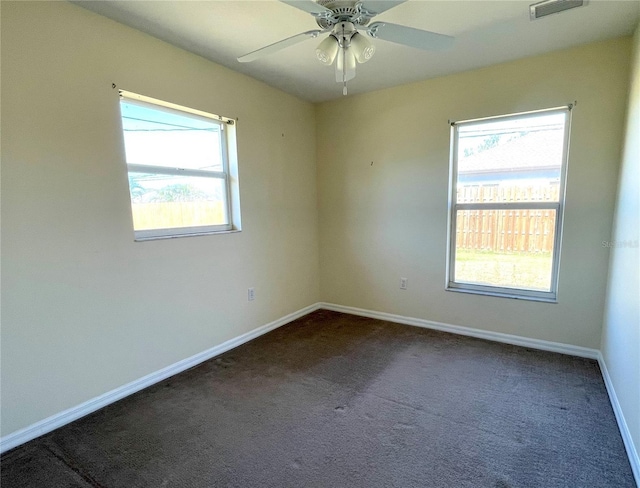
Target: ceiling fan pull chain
(344,62)
(344,66)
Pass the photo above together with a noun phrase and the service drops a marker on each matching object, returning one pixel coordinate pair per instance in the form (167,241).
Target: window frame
(227,174)
(454,207)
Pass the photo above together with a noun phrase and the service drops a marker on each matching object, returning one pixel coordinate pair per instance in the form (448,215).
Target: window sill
(502,294)
(176,236)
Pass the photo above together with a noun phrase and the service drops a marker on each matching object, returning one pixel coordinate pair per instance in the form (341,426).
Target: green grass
(513,270)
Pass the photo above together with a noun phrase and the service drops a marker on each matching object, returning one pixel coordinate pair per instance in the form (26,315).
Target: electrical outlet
(251,294)
(403,283)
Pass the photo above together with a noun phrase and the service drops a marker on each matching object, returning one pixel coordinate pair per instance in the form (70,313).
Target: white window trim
(453,207)
(229,171)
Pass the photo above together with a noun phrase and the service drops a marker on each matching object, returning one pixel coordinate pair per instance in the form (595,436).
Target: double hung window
(179,168)
(506,204)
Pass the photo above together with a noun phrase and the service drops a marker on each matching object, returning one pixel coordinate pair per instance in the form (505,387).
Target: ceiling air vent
(548,7)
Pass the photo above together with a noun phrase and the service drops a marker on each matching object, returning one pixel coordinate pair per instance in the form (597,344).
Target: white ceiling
(486,32)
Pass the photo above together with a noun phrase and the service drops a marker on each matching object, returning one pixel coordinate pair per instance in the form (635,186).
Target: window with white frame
(506,204)
(182,168)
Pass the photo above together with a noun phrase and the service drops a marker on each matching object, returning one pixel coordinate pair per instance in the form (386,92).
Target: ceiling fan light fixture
(363,48)
(327,50)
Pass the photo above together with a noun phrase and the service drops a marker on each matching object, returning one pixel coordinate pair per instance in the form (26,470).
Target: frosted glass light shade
(345,65)
(327,50)
(362,48)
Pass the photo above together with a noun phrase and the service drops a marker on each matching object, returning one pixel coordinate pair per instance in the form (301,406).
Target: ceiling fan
(344,44)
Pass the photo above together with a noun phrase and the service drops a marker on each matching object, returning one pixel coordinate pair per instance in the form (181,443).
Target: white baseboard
(568,349)
(74,413)
(632,453)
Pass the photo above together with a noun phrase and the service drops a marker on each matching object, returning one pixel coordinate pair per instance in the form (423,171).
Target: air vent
(548,7)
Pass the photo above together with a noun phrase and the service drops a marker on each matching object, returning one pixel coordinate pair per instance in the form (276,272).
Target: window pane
(166,201)
(506,248)
(513,160)
(161,138)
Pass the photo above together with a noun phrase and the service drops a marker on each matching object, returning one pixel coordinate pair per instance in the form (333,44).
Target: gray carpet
(333,400)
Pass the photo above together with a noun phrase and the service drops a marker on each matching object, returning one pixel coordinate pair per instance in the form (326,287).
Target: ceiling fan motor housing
(343,11)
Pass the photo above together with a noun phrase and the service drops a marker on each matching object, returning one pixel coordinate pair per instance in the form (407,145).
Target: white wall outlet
(403,283)
(251,294)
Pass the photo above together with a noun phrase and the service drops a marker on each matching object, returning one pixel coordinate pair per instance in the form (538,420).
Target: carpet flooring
(334,400)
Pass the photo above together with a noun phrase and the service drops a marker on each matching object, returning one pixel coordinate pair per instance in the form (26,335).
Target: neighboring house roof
(535,151)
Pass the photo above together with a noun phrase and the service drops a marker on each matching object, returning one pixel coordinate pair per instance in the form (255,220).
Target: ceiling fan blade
(378,6)
(408,36)
(277,46)
(308,6)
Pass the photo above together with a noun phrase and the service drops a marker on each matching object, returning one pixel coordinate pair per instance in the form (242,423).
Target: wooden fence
(169,215)
(508,194)
(522,230)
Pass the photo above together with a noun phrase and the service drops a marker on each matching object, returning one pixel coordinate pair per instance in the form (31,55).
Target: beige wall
(621,332)
(383,163)
(84,308)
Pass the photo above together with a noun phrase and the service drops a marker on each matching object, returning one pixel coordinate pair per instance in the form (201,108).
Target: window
(506,204)
(182,169)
